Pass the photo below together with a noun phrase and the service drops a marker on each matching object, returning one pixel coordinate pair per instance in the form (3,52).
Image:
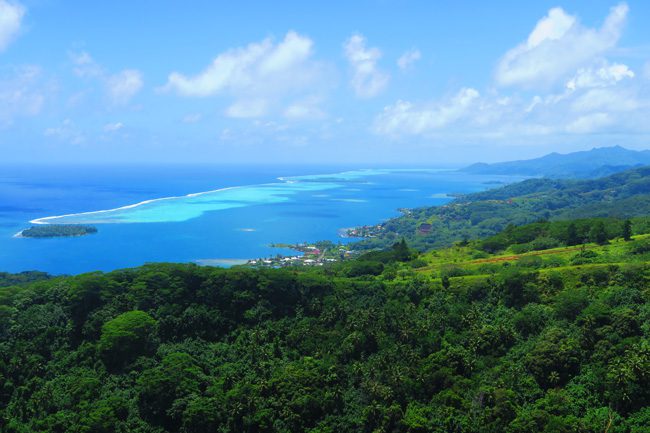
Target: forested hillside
(454,340)
(483,214)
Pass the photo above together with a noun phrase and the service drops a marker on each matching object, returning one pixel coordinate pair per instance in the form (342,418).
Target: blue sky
(381,82)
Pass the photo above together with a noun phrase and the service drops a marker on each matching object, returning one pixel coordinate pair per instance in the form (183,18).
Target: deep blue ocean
(242,210)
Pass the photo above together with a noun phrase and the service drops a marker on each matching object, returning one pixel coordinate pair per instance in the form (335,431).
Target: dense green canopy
(455,340)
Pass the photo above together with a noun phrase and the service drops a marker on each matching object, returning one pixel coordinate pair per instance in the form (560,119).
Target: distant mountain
(592,163)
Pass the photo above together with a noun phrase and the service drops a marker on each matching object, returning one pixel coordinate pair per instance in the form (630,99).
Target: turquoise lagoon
(204,214)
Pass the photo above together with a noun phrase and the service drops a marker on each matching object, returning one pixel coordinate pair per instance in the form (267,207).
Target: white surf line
(44,220)
(285,179)
(130,206)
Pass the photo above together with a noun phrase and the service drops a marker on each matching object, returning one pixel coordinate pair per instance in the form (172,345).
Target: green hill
(486,213)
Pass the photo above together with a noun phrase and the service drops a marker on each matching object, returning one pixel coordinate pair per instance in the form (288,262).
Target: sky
(288,82)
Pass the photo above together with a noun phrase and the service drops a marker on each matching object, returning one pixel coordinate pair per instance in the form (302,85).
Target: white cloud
(11,16)
(604,76)
(405,118)
(120,87)
(248,108)
(22,93)
(305,109)
(66,132)
(609,100)
(584,110)
(241,68)
(598,105)
(589,123)
(123,86)
(84,65)
(259,77)
(557,46)
(113,127)
(407,59)
(367,79)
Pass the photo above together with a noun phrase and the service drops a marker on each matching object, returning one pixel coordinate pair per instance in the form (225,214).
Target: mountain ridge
(597,162)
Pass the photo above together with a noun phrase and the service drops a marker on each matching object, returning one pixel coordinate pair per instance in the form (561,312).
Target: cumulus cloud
(367,79)
(557,46)
(22,93)
(119,87)
(259,77)
(558,81)
(407,59)
(603,76)
(604,99)
(11,16)
(406,118)
(242,68)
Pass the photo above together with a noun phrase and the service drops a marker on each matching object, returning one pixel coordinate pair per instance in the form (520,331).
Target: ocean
(201,213)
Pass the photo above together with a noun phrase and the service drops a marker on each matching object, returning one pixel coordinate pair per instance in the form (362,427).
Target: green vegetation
(457,339)
(483,214)
(58,230)
(544,235)
(7,279)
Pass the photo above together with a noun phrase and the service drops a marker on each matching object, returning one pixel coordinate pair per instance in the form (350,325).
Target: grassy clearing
(466,261)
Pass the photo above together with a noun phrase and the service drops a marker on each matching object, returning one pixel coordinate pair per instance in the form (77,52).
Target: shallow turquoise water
(211,214)
(194,205)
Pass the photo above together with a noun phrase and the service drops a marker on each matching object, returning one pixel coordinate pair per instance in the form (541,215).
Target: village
(321,252)
(369,231)
(311,254)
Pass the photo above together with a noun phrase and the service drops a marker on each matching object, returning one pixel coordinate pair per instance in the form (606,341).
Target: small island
(57,230)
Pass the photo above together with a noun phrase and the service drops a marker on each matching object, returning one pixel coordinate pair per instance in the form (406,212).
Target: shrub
(584,257)
(640,247)
(365,267)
